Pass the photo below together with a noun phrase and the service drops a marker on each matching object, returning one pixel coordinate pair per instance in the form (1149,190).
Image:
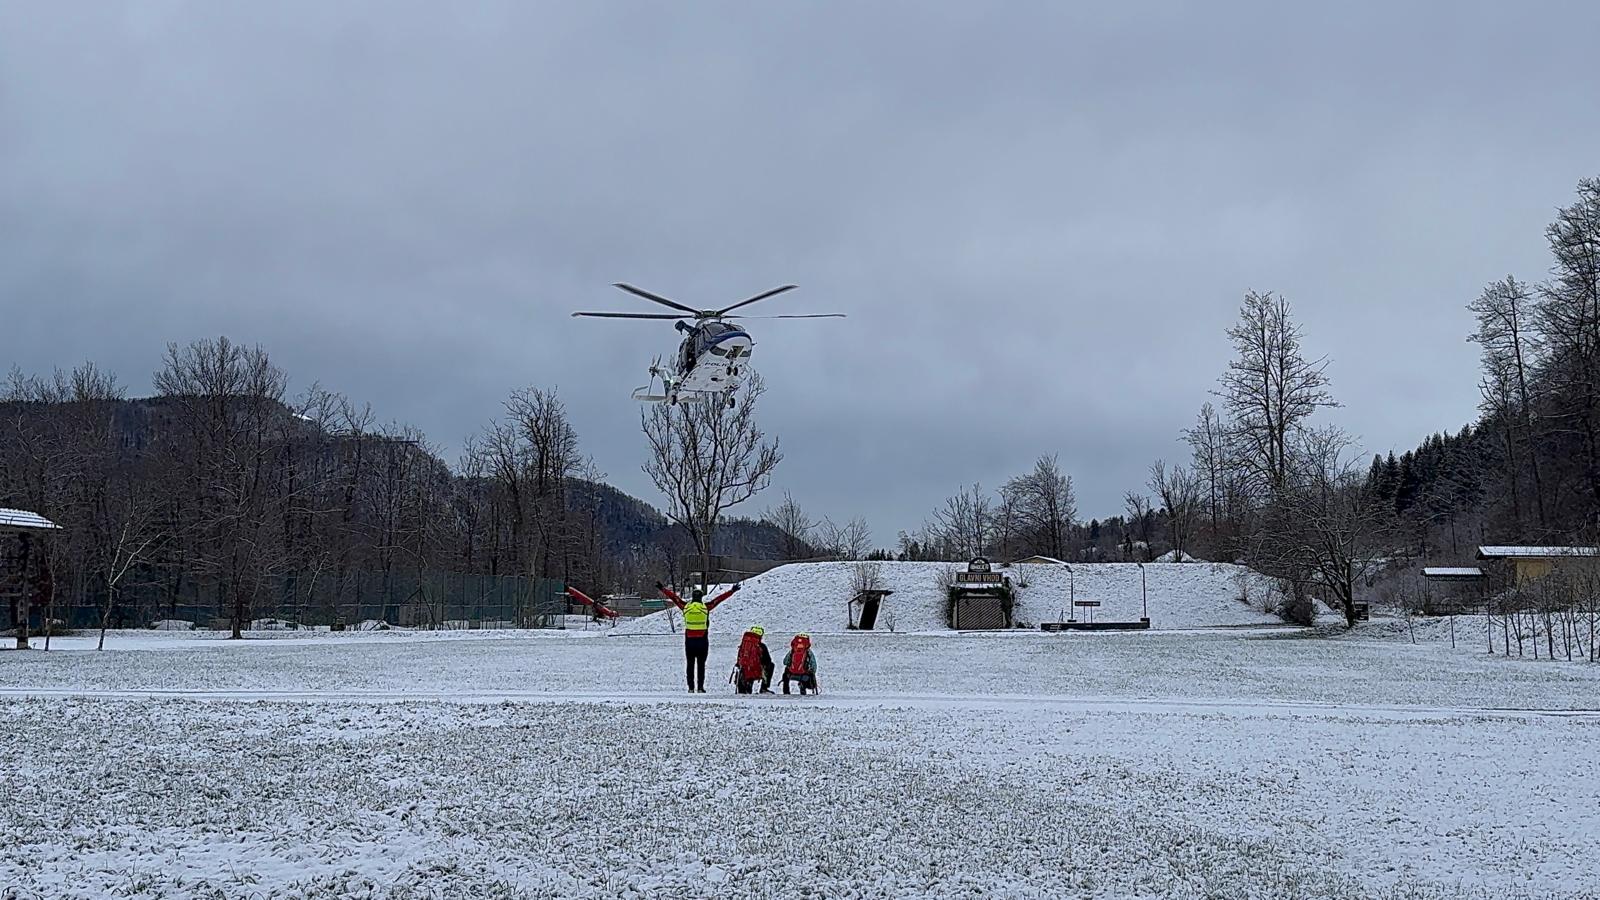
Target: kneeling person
(753,663)
(800,665)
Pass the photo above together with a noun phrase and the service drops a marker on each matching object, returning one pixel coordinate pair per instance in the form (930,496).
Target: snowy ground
(1221,763)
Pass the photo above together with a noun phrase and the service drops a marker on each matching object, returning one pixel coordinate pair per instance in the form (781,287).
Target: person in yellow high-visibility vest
(696,628)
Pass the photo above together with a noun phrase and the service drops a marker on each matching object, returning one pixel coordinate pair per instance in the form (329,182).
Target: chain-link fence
(416,600)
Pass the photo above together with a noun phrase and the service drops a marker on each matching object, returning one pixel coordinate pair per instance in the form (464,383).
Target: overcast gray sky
(1039,218)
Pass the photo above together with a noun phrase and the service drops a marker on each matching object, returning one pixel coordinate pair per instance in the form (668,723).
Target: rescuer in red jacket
(696,624)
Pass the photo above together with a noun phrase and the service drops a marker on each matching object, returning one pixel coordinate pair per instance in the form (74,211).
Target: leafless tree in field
(964,524)
(706,458)
(1270,388)
(794,524)
(130,543)
(866,576)
(1138,529)
(1045,507)
(229,400)
(1179,494)
(1325,529)
(851,540)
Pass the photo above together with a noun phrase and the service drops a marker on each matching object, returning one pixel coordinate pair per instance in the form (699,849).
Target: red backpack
(799,648)
(749,659)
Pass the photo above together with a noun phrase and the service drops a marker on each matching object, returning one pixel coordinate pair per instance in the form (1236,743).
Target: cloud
(1039,218)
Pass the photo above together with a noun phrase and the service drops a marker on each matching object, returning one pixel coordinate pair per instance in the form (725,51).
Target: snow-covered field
(1216,763)
(813,596)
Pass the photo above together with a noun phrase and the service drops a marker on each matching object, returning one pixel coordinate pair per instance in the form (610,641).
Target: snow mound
(272,625)
(1176,556)
(813,597)
(171,625)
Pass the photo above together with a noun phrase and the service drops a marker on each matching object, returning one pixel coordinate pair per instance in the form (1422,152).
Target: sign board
(1363,612)
(1086,603)
(979,578)
(978,564)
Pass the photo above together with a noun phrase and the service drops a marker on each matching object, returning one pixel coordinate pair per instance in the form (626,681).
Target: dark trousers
(805,680)
(745,686)
(695,650)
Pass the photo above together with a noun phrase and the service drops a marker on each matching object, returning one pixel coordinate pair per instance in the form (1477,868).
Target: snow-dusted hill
(813,596)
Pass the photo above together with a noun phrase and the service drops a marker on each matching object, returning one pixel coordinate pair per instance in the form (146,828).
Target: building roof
(1519,552)
(1452,572)
(21,519)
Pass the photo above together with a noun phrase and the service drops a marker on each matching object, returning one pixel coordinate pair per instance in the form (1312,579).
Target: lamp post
(1144,592)
(1072,595)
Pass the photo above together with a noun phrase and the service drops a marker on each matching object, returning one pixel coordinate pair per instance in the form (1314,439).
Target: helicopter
(712,358)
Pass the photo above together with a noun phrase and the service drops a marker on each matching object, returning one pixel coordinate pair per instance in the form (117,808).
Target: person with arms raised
(696,631)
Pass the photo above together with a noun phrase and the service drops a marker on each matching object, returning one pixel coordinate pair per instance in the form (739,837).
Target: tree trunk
(23,611)
(105,616)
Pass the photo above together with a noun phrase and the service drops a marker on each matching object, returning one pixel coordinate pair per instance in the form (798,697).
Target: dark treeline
(225,493)
(1529,470)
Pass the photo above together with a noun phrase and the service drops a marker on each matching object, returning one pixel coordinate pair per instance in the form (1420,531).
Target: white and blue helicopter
(712,358)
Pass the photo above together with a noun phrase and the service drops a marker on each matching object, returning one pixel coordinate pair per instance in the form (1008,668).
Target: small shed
(22,524)
(16,521)
(863,610)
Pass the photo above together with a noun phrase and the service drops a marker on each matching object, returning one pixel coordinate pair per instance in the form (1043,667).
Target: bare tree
(1138,527)
(1568,324)
(852,540)
(1511,350)
(1179,493)
(706,458)
(794,524)
(1326,530)
(1208,439)
(129,545)
(866,576)
(964,524)
(1271,387)
(1044,506)
(228,399)
(549,452)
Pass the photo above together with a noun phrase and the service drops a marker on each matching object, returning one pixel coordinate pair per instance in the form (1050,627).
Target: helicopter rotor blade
(777,290)
(793,316)
(656,298)
(617,315)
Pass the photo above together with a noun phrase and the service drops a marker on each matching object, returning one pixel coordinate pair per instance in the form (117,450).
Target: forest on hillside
(222,497)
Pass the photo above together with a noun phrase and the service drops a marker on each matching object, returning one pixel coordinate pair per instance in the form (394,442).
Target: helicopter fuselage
(711,359)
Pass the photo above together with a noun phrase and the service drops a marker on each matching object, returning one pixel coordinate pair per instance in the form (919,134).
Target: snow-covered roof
(1517,552)
(1452,572)
(21,518)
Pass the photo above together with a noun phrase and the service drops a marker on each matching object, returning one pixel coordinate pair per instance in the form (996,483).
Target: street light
(1072,594)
